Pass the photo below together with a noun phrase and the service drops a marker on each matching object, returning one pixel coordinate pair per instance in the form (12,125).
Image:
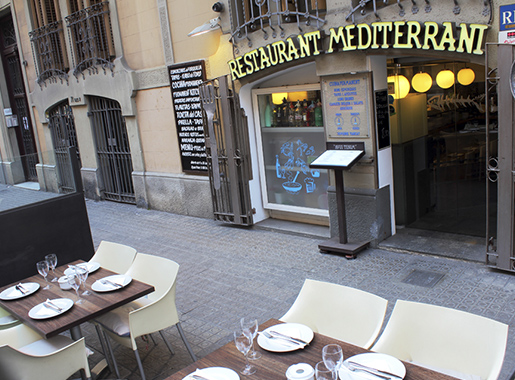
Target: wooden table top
(93,306)
(273,365)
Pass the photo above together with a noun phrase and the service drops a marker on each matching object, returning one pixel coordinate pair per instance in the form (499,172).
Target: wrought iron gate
(62,128)
(228,151)
(500,153)
(113,150)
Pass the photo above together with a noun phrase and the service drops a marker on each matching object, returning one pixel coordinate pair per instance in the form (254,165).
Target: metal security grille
(90,33)
(113,150)
(62,128)
(228,151)
(28,148)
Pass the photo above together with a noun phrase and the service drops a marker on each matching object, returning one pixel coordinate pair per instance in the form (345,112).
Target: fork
(107,282)
(353,368)
(52,306)
(207,96)
(270,336)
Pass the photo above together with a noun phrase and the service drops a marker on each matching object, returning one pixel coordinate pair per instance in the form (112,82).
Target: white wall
(377,64)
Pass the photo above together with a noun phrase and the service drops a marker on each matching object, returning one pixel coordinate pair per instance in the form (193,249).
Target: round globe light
(422,82)
(466,76)
(401,86)
(445,79)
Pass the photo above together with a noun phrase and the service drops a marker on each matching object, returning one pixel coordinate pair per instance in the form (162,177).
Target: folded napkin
(46,312)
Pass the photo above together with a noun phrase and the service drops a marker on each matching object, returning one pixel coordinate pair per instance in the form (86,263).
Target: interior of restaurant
(439,146)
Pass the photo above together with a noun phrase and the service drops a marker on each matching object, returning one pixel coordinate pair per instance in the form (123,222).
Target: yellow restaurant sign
(378,35)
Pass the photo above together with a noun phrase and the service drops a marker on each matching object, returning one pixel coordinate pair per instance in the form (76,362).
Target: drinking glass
(243,343)
(83,276)
(74,281)
(323,373)
(332,356)
(250,328)
(43,270)
(51,259)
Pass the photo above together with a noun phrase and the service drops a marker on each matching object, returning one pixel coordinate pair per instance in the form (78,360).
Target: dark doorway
(18,99)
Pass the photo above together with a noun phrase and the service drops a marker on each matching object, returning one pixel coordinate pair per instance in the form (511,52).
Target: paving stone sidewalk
(228,272)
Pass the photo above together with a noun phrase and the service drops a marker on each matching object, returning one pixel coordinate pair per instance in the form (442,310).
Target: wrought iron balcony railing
(249,16)
(49,53)
(92,39)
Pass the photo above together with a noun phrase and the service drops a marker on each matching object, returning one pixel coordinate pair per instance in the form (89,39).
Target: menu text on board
(184,81)
(347,109)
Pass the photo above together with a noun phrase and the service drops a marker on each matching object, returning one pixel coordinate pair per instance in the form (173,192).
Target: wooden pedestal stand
(340,161)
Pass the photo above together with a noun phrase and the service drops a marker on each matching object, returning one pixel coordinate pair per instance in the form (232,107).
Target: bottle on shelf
(305,114)
(291,115)
(268,114)
(298,114)
(319,119)
(311,117)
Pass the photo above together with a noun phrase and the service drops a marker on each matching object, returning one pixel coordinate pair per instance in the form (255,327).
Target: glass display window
(291,135)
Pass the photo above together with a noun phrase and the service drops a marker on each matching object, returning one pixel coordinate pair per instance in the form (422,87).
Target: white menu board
(334,159)
(346,105)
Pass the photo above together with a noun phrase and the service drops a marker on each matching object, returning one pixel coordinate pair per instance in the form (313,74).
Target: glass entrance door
(439,145)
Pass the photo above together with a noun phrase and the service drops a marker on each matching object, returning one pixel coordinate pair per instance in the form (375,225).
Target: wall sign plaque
(184,81)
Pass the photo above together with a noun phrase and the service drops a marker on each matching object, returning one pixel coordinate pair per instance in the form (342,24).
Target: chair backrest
(114,256)
(7,320)
(61,364)
(338,311)
(444,338)
(18,336)
(154,270)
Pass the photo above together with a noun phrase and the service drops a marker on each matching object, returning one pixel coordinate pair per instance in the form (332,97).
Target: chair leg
(153,340)
(111,353)
(140,365)
(166,342)
(108,355)
(181,332)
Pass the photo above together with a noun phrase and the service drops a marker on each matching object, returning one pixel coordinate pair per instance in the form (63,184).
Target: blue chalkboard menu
(184,81)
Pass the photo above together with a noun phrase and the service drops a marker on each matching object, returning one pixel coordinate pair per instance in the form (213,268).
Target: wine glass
(83,276)
(332,356)
(74,281)
(51,259)
(323,373)
(243,343)
(250,328)
(43,270)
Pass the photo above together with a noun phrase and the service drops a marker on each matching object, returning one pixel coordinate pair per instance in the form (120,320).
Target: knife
(288,337)
(116,285)
(355,364)
(51,305)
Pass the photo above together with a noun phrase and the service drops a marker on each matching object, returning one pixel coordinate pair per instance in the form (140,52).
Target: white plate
(91,267)
(215,373)
(43,312)
(12,293)
(121,279)
(375,360)
(295,330)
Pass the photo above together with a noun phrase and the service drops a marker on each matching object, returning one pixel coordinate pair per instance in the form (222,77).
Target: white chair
(114,256)
(338,311)
(24,355)
(7,320)
(455,342)
(148,314)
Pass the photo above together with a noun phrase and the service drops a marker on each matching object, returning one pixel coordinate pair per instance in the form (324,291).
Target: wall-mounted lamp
(421,82)
(209,26)
(400,85)
(445,78)
(466,76)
